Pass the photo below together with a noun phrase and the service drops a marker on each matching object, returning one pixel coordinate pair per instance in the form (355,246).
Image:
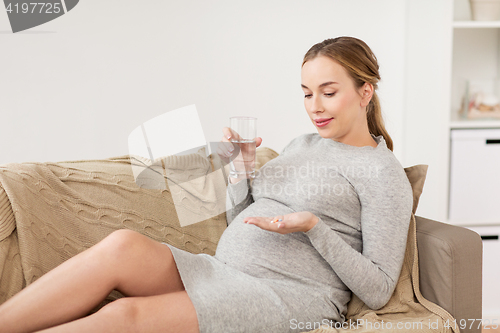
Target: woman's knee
(123,243)
(134,259)
(123,311)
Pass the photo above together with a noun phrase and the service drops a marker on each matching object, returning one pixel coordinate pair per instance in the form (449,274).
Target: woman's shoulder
(386,162)
(382,164)
(387,172)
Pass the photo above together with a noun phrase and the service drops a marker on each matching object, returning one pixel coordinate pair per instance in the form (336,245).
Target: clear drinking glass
(244,132)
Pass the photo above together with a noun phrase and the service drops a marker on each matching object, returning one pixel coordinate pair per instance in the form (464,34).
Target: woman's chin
(324,134)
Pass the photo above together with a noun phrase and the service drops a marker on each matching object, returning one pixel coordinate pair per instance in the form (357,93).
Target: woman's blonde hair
(361,64)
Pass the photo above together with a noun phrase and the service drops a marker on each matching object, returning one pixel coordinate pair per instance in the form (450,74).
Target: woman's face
(336,107)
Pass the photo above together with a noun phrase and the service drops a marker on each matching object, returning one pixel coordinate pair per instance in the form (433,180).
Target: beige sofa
(49,212)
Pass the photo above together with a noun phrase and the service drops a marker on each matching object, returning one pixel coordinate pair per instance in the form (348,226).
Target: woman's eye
(330,95)
(307,96)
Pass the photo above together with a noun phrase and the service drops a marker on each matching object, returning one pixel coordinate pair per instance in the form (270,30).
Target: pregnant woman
(327,218)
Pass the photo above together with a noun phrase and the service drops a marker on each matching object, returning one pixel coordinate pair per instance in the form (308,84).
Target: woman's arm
(238,197)
(386,203)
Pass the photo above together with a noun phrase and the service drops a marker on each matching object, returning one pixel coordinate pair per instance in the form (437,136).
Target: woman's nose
(316,105)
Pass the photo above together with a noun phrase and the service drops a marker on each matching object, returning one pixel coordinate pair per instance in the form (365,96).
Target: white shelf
(473,223)
(476,24)
(475,123)
(457,122)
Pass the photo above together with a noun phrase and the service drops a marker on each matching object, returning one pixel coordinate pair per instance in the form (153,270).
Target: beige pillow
(416,175)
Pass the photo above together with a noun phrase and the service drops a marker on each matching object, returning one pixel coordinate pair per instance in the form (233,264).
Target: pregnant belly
(263,253)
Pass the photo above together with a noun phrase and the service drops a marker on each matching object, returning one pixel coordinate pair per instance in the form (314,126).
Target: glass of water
(244,132)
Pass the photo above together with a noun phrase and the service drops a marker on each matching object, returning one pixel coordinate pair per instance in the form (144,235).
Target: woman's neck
(359,140)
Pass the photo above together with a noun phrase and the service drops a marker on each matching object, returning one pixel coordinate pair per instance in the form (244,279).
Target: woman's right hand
(245,158)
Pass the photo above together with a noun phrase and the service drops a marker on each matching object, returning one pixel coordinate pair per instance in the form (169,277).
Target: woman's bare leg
(126,261)
(172,312)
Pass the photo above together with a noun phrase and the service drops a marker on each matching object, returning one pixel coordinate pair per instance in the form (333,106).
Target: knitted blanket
(50,212)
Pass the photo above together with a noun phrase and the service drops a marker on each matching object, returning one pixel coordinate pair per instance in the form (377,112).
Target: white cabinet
(491,270)
(475,176)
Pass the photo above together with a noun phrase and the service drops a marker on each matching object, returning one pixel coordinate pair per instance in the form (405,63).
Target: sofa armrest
(450,269)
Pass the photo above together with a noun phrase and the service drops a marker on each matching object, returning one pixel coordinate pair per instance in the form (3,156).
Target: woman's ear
(366,94)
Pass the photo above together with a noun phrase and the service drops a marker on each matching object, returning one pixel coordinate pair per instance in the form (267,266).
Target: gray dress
(261,281)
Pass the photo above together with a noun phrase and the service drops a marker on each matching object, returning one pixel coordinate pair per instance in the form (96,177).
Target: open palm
(284,224)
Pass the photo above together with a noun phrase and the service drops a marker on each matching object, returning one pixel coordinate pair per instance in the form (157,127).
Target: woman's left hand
(284,224)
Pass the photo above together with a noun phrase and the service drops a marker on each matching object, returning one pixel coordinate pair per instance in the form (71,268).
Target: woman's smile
(321,122)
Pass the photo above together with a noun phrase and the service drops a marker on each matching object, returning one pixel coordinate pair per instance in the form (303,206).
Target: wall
(427,102)
(75,87)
